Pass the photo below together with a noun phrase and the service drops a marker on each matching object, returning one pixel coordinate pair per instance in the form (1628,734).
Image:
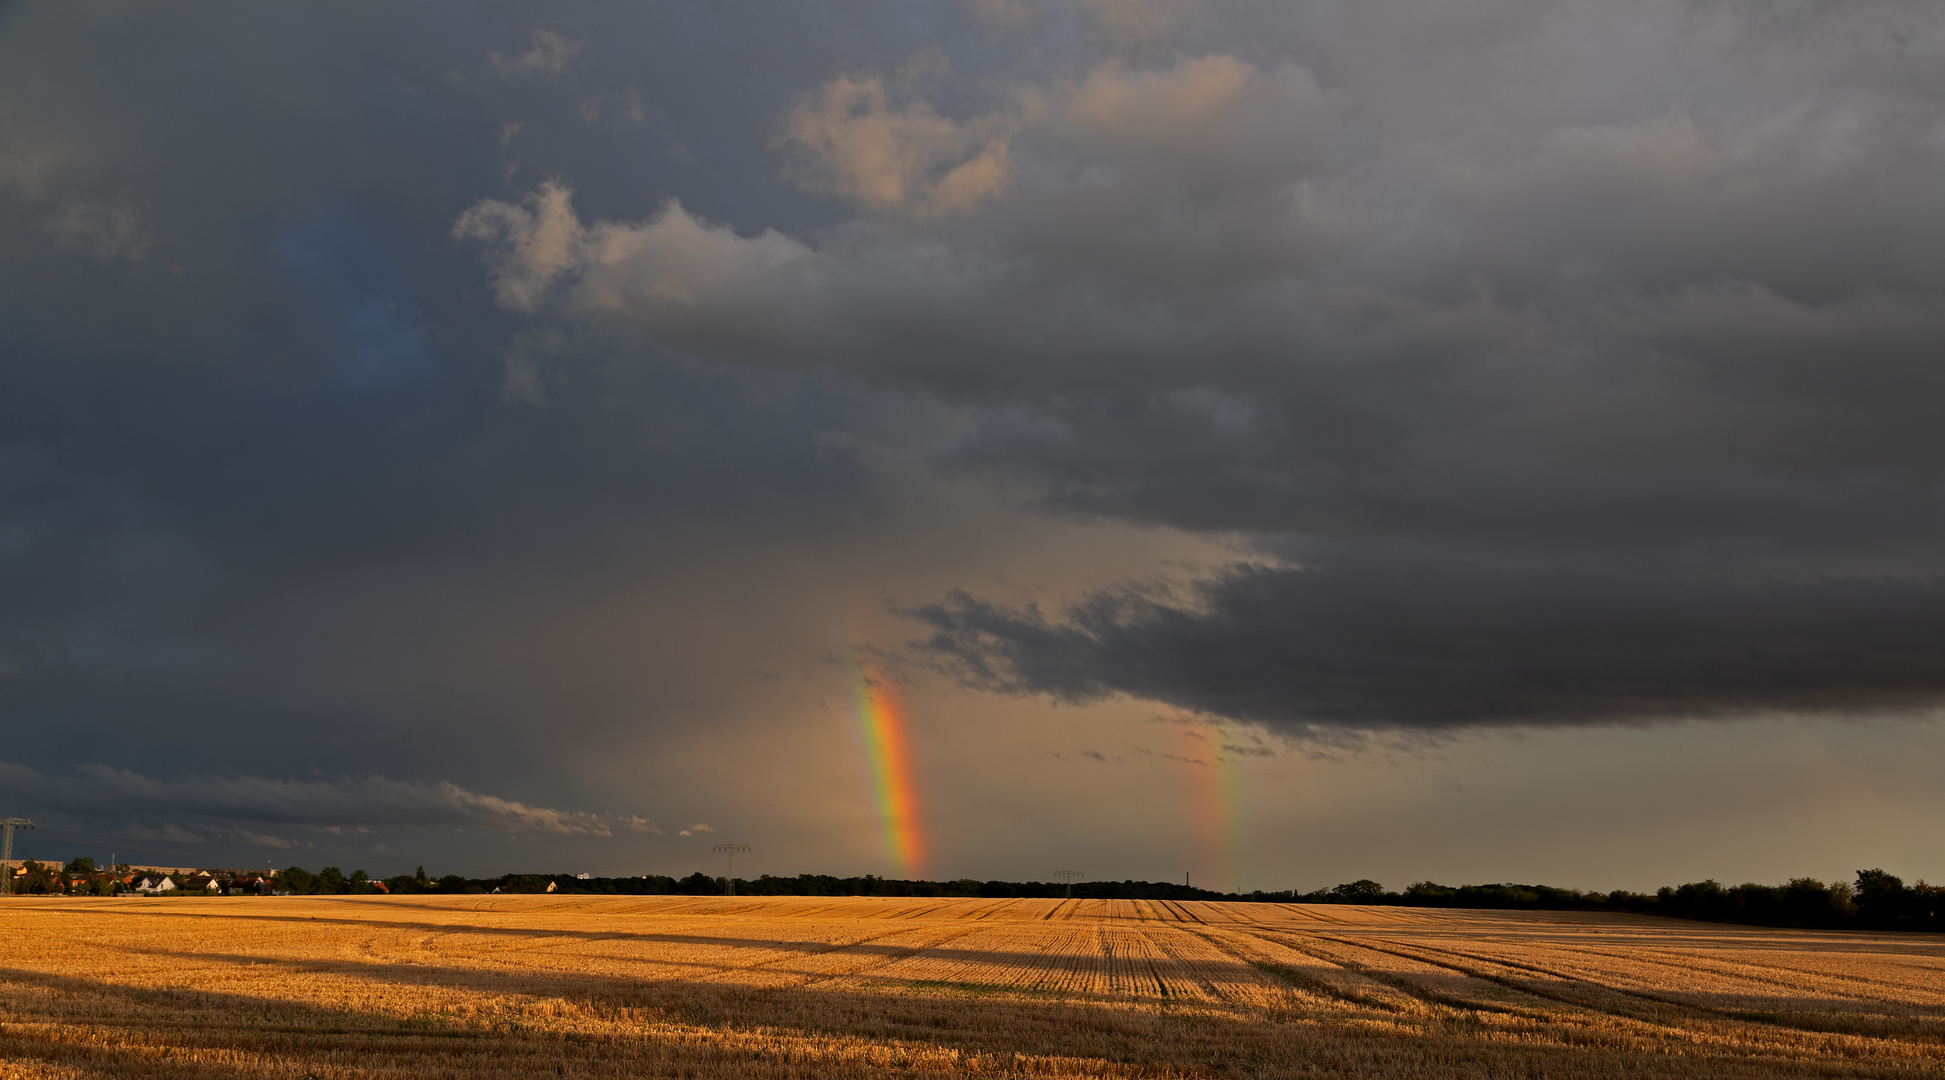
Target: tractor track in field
(1697,1011)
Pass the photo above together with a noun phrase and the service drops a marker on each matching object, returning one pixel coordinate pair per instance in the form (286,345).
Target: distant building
(155,883)
(582,877)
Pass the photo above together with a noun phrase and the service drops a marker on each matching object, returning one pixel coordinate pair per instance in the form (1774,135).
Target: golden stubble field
(804,987)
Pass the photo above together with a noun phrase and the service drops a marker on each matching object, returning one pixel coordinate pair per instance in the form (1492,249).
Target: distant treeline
(1876,901)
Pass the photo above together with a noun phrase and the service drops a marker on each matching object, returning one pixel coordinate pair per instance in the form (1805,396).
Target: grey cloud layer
(1239,296)
(355,356)
(1415,643)
(367,802)
(1588,323)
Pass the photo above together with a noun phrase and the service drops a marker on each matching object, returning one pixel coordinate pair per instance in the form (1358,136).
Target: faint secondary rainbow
(887,747)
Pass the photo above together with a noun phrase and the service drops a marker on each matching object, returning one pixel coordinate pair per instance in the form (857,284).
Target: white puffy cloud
(535,244)
(658,270)
(1168,102)
(549,54)
(887,157)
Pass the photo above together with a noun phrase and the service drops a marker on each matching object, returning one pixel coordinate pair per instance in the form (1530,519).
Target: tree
(1809,902)
(1705,899)
(1361,891)
(330,880)
(1430,893)
(1881,897)
(296,881)
(523,883)
(81,866)
(1761,903)
(1926,903)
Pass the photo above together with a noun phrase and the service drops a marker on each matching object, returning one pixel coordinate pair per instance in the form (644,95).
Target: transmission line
(7,827)
(731,850)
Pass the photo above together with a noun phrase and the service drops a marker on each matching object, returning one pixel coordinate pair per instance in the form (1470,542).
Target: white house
(154,884)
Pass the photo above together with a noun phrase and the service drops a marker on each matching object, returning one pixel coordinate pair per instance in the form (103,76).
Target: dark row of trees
(1877,900)
(700,884)
(329,881)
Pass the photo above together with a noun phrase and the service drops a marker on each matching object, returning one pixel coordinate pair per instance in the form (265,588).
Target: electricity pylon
(7,827)
(1070,876)
(731,850)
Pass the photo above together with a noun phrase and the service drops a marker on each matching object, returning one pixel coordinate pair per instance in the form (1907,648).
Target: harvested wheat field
(801,987)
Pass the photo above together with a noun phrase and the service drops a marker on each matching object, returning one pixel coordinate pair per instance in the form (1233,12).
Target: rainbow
(1216,805)
(887,748)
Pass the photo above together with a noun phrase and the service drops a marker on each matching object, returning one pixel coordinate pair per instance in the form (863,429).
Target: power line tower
(731,850)
(7,827)
(1070,876)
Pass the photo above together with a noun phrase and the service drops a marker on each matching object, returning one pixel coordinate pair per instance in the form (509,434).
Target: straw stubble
(811,987)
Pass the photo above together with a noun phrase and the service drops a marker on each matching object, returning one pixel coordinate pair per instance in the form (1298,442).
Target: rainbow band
(882,724)
(1217,805)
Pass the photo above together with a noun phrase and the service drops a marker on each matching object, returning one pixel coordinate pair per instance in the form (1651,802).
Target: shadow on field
(194,1023)
(176,1032)
(1668,933)
(534,932)
(190,1032)
(1050,961)
(1452,989)
(1539,999)
(1789,1011)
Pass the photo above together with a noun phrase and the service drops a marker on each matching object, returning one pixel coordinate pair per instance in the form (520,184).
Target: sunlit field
(722,987)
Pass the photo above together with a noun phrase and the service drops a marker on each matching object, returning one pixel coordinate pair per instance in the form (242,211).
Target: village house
(155,883)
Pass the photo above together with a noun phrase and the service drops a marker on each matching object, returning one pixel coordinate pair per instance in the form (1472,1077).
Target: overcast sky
(1278,443)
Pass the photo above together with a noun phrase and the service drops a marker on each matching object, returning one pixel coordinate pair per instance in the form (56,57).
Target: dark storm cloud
(1235,294)
(1639,308)
(346,346)
(242,349)
(1419,643)
(263,504)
